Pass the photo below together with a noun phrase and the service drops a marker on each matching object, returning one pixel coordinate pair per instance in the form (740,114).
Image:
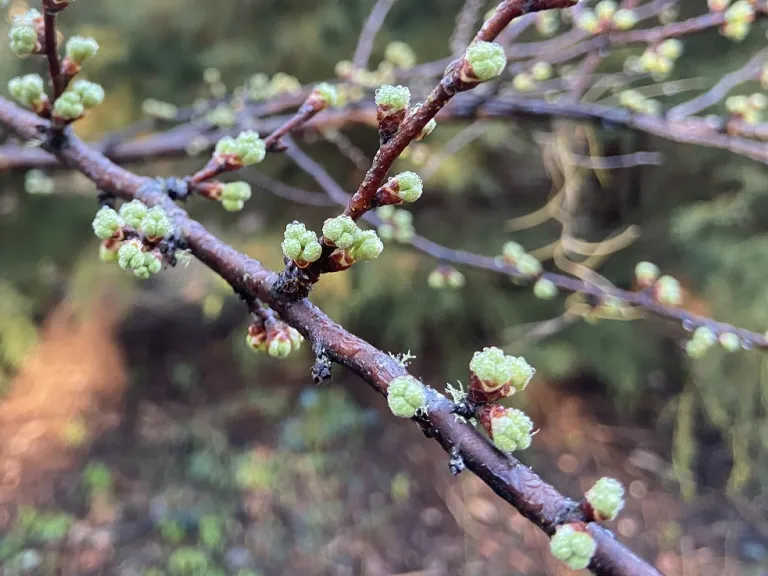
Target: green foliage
(188,562)
(97,478)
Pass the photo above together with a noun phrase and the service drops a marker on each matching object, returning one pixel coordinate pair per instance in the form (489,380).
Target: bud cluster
(77,100)
(406,396)
(573,545)
(482,61)
(636,102)
(515,255)
(397,224)
(606,17)
(276,338)
(405,187)
(659,60)
(26,33)
(301,245)
(494,375)
(352,244)
(444,276)
(738,20)
(748,108)
(247,149)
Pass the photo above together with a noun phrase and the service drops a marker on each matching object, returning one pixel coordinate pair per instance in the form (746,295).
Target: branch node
(176,188)
(293,283)
(106,198)
(321,370)
(456,462)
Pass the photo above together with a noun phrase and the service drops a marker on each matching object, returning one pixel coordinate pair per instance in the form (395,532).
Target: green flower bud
(344,69)
(588,22)
(279,348)
(668,291)
(494,368)
(283,83)
(650,107)
(511,430)
(544,289)
(300,244)
(23,40)
(248,147)
(646,274)
(90,93)
(341,231)
(222,116)
(696,348)
(486,61)
(528,265)
(27,90)
(454,279)
(256,338)
(436,279)
(68,106)
(400,55)
(737,30)
(234,195)
(150,264)
(631,99)
(409,186)
(80,49)
(159,109)
(428,128)
(606,498)
(541,71)
(625,19)
(573,547)
(284,342)
(740,12)
(393,98)
(523,82)
(133,213)
(758,101)
(605,10)
(729,341)
(406,396)
(38,182)
(107,223)
(326,93)
(367,247)
(130,255)
(156,224)
(671,48)
(705,336)
(547,23)
(512,251)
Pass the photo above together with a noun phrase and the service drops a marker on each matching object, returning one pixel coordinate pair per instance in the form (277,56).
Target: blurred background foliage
(702,215)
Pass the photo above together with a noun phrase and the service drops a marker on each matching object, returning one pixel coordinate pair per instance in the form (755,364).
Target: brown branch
(51,50)
(516,483)
(368,34)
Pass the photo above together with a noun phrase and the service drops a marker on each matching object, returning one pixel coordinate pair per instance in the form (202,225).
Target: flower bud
(605,499)
(392,99)
(107,223)
(222,116)
(283,342)
(588,22)
(509,428)
(512,251)
(133,213)
(68,106)
(436,279)
(493,375)
(741,12)
(159,109)
(405,187)
(528,265)
(234,194)
(523,82)
(38,182)
(367,247)
(729,341)
(400,54)
(406,396)
(668,291)
(130,255)
(428,127)
(544,289)
(108,250)
(301,245)
(646,274)
(150,264)
(90,93)
(24,40)
(156,224)
(605,9)
(758,101)
(671,49)
(736,30)
(547,23)
(454,279)
(344,69)
(574,547)
(80,49)
(247,149)
(341,232)
(27,90)
(325,95)
(625,19)
(483,61)
(541,71)
(256,338)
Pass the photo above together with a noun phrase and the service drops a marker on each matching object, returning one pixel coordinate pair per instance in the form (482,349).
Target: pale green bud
(222,116)
(234,195)
(671,48)
(729,341)
(454,279)
(68,106)
(528,265)
(80,49)
(133,213)
(156,223)
(150,264)
(130,255)
(159,109)
(705,336)
(27,90)
(344,69)
(406,396)
(605,10)
(367,247)
(90,93)
(737,30)
(544,289)
(327,94)
(668,291)
(646,273)
(512,251)
(573,547)
(248,147)
(300,244)
(625,19)
(492,366)
(696,348)
(511,430)
(486,60)
(541,71)
(400,55)
(523,82)
(740,12)
(588,22)
(393,98)
(38,182)
(436,279)
(606,498)
(107,223)
(23,40)
(108,252)
(409,186)
(232,205)
(758,101)
(279,348)
(341,231)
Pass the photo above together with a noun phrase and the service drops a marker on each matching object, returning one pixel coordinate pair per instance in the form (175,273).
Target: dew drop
(688,325)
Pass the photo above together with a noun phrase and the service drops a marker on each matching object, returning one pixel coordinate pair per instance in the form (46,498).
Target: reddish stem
(51,51)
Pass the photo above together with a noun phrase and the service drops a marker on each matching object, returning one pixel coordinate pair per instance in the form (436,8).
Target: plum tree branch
(538,501)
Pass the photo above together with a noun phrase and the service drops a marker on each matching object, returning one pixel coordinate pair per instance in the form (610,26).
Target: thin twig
(368,34)
(51,51)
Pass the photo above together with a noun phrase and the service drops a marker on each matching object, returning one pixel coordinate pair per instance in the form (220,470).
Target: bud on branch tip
(605,498)
(574,547)
(484,61)
(406,396)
